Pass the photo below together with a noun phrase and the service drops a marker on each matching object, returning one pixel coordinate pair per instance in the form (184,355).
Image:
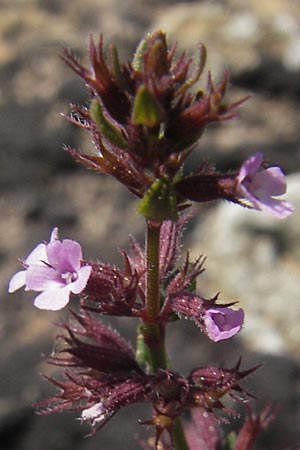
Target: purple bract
(55,270)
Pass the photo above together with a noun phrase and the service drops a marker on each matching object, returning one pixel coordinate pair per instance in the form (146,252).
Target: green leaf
(146,109)
(107,127)
(159,202)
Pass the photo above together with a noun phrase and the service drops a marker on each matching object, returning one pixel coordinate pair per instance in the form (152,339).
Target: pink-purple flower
(258,186)
(222,323)
(55,270)
(217,321)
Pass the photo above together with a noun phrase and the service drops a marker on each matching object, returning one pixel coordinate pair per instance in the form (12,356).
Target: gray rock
(238,35)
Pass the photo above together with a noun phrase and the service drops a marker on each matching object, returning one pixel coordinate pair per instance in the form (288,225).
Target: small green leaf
(146,109)
(160,202)
(107,127)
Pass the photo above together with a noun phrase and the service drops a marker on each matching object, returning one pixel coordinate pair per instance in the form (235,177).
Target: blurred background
(251,258)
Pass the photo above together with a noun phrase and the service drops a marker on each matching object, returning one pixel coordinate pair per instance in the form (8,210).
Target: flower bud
(152,54)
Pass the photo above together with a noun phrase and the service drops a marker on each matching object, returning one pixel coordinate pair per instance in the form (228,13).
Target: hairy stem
(153,331)
(152,255)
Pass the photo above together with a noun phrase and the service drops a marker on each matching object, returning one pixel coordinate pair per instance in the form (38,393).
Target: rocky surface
(250,257)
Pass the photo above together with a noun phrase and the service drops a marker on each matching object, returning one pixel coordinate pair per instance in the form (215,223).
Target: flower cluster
(143,116)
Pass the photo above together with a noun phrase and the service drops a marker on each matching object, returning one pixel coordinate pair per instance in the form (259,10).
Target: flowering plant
(145,120)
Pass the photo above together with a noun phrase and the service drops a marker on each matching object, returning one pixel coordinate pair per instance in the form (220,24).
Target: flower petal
(223,323)
(278,208)
(270,181)
(38,255)
(250,166)
(53,299)
(259,187)
(17,281)
(54,235)
(64,256)
(40,278)
(83,275)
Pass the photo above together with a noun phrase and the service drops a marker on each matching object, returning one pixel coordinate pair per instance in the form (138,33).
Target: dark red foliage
(103,376)
(113,291)
(101,348)
(149,114)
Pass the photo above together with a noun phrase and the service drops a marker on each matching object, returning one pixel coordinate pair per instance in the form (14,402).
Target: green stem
(178,436)
(152,331)
(152,255)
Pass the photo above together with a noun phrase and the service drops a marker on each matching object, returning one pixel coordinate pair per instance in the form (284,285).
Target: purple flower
(259,186)
(54,269)
(217,321)
(222,323)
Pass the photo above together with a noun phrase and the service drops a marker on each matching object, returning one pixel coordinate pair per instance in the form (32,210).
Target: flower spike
(144,117)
